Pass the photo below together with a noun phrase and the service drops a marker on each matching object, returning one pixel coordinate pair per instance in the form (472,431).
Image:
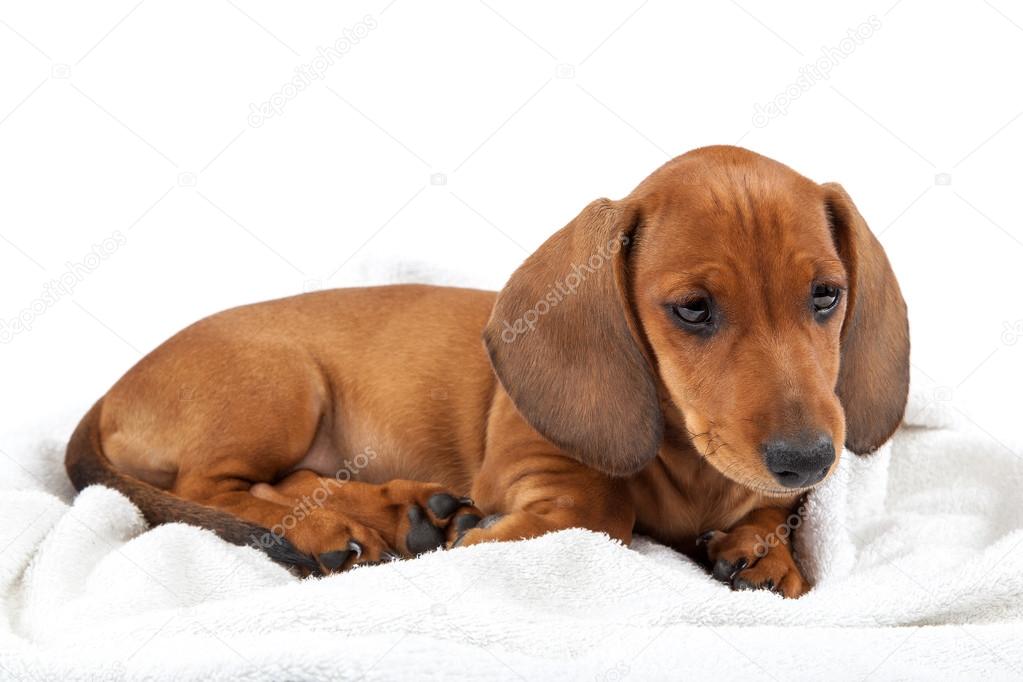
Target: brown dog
(688,359)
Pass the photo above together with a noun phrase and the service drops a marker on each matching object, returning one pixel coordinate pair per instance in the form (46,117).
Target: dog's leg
(256,411)
(337,541)
(756,553)
(410,516)
(529,496)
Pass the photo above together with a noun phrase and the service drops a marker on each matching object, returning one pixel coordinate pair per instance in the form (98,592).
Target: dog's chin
(775,491)
(770,487)
(762,485)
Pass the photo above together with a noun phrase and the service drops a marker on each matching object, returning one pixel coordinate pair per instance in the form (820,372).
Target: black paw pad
(422,535)
(705,538)
(488,521)
(725,570)
(336,559)
(466,522)
(443,505)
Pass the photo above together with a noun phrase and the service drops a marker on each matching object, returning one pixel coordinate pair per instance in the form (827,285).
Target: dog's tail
(87,465)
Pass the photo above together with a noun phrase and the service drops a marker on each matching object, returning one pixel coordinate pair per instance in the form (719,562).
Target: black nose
(799,462)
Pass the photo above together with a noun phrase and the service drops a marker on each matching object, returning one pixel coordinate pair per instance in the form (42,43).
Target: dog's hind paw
(434,518)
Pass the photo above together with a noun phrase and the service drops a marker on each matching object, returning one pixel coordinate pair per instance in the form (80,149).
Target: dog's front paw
(743,559)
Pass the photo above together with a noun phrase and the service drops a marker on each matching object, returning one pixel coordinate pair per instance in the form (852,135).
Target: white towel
(916,552)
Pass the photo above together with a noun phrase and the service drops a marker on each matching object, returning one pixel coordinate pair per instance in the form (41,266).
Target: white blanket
(915,551)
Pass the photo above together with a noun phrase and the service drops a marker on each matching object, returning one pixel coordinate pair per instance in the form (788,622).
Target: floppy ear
(874,377)
(561,341)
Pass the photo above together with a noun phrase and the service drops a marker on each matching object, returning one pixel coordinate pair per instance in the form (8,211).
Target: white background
(454,138)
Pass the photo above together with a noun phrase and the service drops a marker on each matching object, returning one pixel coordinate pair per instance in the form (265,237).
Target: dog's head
(727,289)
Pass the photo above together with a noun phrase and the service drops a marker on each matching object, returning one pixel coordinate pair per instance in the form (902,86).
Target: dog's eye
(695,312)
(825,297)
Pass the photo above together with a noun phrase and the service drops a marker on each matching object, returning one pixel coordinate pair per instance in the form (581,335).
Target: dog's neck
(680,494)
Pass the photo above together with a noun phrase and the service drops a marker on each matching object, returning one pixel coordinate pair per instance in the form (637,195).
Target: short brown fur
(585,406)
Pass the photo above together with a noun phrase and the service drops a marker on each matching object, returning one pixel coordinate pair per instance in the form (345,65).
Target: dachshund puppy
(684,363)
